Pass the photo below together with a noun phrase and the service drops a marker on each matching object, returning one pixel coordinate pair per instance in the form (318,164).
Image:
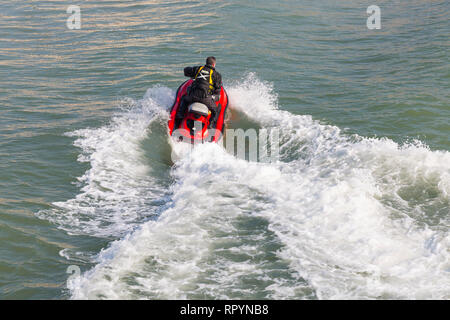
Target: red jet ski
(197,125)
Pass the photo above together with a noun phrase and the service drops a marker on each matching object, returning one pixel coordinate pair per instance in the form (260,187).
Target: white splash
(334,219)
(116,190)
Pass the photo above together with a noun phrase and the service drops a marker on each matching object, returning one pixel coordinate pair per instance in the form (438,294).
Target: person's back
(205,88)
(207,81)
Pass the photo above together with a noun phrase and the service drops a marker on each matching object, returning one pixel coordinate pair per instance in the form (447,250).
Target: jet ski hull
(204,131)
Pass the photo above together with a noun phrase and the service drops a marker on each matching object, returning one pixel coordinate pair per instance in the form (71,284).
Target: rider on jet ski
(205,88)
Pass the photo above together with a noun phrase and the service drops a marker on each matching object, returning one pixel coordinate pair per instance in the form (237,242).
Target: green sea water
(358,207)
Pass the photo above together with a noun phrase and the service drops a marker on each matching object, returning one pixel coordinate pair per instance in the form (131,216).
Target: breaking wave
(337,217)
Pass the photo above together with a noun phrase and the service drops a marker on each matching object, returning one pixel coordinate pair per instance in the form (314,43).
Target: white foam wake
(337,217)
(117,189)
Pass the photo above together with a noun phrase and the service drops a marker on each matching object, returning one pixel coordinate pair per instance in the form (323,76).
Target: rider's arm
(190,71)
(217,83)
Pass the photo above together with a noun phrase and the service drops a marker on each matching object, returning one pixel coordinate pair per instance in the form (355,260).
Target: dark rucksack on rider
(207,81)
(206,85)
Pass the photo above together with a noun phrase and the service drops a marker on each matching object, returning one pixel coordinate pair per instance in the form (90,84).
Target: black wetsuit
(205,86)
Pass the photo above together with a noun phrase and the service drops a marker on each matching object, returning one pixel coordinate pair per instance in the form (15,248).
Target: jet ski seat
(199,108)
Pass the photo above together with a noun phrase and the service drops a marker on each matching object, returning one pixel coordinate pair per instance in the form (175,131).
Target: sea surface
(356,206)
